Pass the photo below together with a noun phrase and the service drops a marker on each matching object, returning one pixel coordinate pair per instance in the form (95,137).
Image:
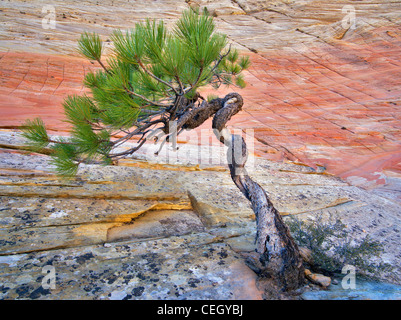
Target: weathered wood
(278,256)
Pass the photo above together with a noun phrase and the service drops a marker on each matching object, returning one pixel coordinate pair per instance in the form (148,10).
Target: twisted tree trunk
(277,256)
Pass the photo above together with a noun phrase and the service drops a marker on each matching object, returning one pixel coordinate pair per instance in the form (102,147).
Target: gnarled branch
(278,255)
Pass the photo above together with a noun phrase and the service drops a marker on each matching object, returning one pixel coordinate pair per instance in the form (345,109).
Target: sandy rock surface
(157,229)
(321,117)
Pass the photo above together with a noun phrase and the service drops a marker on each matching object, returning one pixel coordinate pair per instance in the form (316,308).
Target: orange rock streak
(336,106)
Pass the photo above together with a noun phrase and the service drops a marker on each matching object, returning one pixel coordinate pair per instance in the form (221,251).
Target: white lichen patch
(58,214)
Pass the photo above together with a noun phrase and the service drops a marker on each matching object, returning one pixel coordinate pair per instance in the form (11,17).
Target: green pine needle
(35,132)
(240,82)
(90,45)
(151,66)
(233,55)
(129,47)
(244,62)
(79,109)
(63,159)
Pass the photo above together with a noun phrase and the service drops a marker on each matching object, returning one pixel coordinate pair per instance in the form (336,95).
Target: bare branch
(221,59)
(128,152)
(138,130)
(103,66)
(180,84)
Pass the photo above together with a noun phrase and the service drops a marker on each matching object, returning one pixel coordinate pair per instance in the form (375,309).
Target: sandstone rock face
(322,102)
(323,89)
(161,231)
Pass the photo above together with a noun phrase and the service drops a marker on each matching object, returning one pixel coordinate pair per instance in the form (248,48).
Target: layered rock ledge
(158,228)
(322,110)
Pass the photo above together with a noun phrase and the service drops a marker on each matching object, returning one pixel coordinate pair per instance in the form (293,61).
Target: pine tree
(152,80)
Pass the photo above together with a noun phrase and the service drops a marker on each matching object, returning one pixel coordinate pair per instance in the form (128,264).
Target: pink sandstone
(328,106)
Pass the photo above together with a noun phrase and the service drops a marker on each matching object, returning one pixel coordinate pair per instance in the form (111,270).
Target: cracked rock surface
(322,113)
(149,232)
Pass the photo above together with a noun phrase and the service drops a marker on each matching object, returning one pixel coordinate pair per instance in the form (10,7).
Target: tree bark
(277,255)
(277,258)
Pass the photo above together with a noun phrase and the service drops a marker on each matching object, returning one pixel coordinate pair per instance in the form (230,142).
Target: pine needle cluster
(152,77)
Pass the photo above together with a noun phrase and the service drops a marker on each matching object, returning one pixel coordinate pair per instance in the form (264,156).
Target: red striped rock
(317,93)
